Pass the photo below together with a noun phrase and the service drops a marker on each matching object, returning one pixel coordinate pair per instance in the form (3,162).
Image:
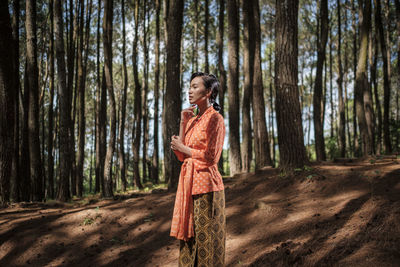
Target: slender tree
(342,117)
(145,109)
(386,77)
(172,98)
(50,138)
(136,129)
(248,66)
(33,116)
(155,159)
(81,111)
(317,99)
(361,83)
(65,106)
(290,132)
(107,44)
(261,142)
(16,173)
(206,18)
(233,87)
(121,131)
(7,102)
(221,68)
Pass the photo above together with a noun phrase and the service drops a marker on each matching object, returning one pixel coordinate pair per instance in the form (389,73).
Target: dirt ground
(332,214)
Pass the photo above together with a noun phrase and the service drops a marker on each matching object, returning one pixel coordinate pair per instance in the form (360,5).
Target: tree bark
(261,142)
(81,111)
(145,90)
(342,117)
(355,48)
(155,159)
(361,83)
(136,129)
(206,18)
(50,138)
(107,44)
(235,163)
(172,100)
(386,77)
(7,102)
(16,173)
(248,66)
(100,114)
(221,68)
(290,132)
(33,117)
(65,106)
(121,130)
(317,98)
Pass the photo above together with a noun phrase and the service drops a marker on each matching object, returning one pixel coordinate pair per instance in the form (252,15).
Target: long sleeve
(181,156)
(215,140)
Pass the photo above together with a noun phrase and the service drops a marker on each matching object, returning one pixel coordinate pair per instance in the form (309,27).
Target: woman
(199,212)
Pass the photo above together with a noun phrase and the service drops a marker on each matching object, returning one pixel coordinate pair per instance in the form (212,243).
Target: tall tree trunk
(33,117)
(386,77)
(136,129)
(397,3)
(8,90)
(221,68)
(361,78)
(233,87)
(144,95)
(206,18)
(378,108)
(16,173)
(261,142)
(71,44)
(355,49)
(290,131)
(271,94)
(195,33)
(100,119)
(50,157)
(121,130)
(342,117)
(317,98)
(107,44)
(155,159)
(81,111)
(65,106)
(172,101)
(248,66)
(345,81)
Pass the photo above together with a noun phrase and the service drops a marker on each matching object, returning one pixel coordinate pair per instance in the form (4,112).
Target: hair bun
(216,106)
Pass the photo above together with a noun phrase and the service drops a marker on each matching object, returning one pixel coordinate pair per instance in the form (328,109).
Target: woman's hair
(211,83)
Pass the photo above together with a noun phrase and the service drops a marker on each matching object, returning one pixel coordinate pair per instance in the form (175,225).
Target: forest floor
(331,214)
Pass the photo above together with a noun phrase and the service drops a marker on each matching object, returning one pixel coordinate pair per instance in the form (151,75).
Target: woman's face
(198,92)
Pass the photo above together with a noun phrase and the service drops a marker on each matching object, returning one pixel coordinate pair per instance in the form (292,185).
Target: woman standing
(199,212)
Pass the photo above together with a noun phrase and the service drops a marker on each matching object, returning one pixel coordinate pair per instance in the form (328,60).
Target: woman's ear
(208,94)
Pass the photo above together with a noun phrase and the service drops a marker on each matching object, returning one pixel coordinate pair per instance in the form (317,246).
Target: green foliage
(333,147)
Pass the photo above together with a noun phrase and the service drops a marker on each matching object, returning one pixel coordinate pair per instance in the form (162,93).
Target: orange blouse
(199,173)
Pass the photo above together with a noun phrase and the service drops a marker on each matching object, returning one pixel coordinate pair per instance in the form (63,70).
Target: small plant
(372,161)
(310,176)
(298,170)
(307,168)
(88,221)
(149,218)
(117,240)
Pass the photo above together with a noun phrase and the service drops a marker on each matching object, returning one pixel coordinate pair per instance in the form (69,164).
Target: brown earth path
(344,214)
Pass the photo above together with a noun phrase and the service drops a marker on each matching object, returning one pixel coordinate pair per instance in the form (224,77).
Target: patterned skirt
(207,247)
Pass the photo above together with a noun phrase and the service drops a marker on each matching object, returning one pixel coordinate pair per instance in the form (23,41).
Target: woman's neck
(203,106)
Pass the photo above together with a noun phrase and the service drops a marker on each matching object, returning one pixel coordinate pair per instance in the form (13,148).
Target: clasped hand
(176,143)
